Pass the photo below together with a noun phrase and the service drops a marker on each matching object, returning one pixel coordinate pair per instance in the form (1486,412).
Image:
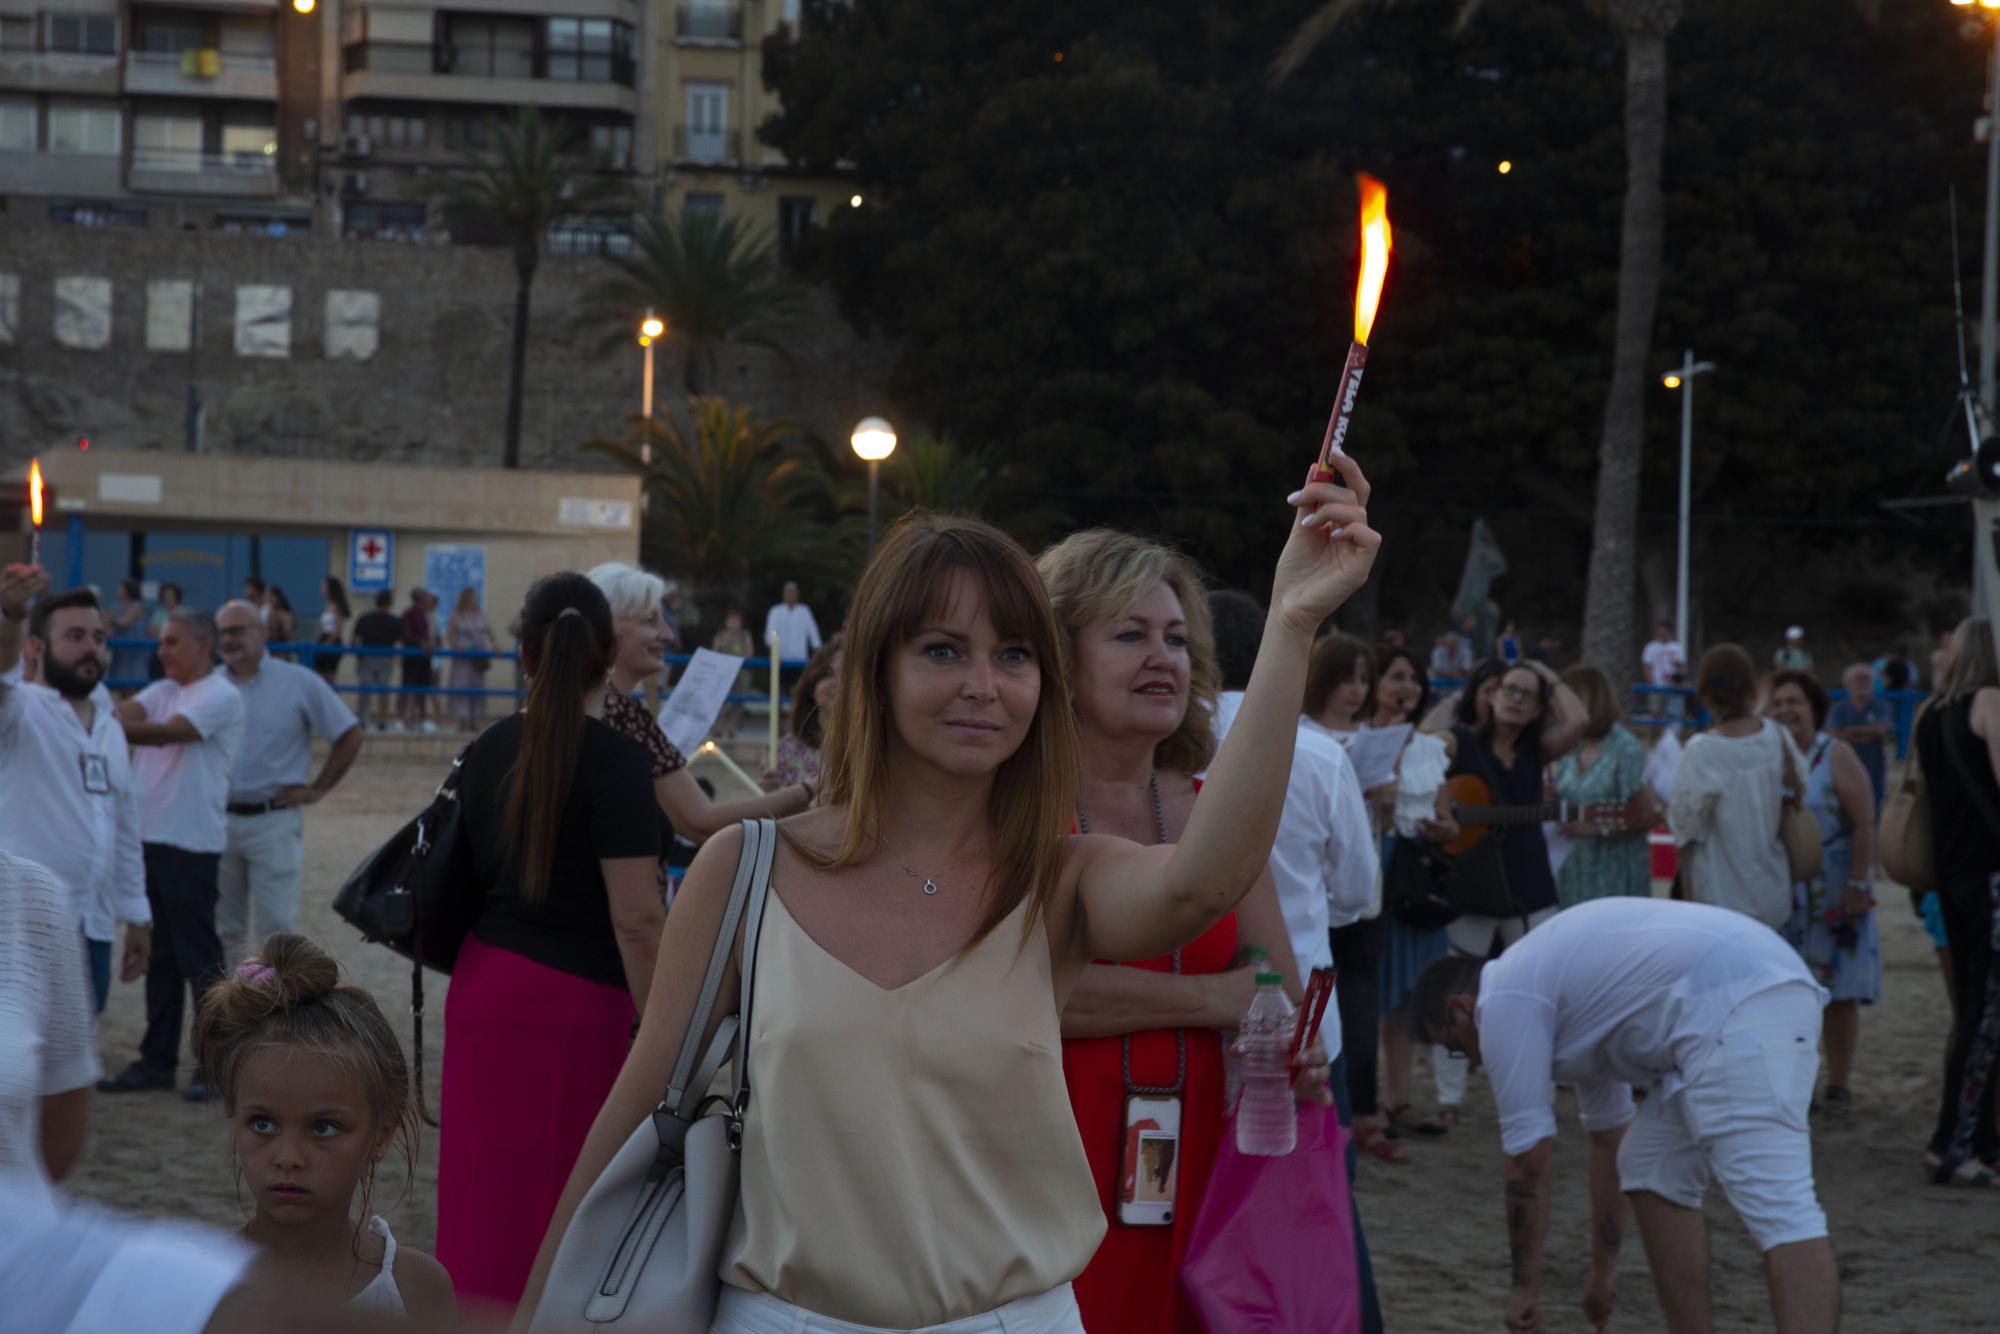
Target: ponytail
(566,644)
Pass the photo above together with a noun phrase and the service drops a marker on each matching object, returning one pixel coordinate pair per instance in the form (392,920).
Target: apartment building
(708,100)
(330,113)
(109,109)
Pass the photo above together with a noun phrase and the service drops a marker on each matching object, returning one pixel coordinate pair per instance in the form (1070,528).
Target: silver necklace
(930,885)
(1159,812)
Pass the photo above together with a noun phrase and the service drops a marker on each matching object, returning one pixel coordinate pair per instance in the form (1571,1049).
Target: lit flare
(35,491)
(1377,241)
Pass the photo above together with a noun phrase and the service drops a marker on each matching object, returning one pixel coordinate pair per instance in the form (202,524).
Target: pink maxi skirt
(529,1055)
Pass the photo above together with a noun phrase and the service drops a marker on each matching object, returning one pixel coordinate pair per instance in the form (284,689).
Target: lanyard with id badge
(96,774)
(1150,1164)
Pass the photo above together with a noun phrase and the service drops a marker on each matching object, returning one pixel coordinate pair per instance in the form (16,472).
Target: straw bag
(1798,830)
(643,1250)
(1908,854)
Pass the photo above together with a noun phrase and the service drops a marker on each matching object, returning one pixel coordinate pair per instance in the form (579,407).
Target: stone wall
(431,390)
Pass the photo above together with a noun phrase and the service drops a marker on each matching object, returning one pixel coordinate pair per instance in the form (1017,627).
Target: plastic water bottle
(1232,1078)
(1266,1124)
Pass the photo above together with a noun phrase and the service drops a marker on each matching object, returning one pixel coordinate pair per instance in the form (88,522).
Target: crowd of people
(1042,823)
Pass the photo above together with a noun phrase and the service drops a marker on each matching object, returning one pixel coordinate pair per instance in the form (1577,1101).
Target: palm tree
(530,181)
(936,473)
(713,487)
(1608,631)
(713,280)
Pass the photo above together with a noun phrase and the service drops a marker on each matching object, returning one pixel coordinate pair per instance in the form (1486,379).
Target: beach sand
(1434,1225)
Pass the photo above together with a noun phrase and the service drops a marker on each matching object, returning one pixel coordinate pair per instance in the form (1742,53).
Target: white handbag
(644,1249)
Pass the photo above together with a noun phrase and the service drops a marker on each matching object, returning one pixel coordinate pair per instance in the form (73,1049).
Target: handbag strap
(753,929)
(753,874)
(446,796)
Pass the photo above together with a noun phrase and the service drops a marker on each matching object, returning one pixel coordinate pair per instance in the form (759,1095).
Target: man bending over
(1714,1014)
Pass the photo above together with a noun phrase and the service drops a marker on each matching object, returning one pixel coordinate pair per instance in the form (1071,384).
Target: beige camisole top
(910,1157)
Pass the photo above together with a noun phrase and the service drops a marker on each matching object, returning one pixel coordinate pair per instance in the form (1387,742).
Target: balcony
(58,72)
(202,74)
(708,24)
(720,148)
(484,76)
(185,172)
(89,174)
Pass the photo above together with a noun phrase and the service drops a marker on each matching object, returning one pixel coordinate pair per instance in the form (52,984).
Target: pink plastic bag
(1273,1248)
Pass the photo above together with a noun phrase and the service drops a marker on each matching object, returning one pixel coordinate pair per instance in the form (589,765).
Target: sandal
(1379,1144)
(1970,1174)
(1405,1118)
(1447,1115)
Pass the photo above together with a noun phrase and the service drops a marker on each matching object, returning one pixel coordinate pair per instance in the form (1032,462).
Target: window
(596,234)
(465,132)
(612,144)
(83,129)
(707,122)
(17,125)
(403,131)
(10,306)
(83,34)
(169,37)
(166,143)
(795,217)
(250,147)
(700,204)
(789,12)
(263,321)
(589,51)
(490,48)
(17,32)
(83,312)
(353,324)
(169,312)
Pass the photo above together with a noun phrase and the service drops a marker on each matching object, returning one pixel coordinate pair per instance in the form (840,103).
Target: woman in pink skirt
(559,811)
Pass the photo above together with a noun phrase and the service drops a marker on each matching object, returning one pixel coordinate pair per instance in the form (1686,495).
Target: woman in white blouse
(1728,794)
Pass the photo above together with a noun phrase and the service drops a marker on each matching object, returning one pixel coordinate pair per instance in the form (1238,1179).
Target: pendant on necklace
(930,886)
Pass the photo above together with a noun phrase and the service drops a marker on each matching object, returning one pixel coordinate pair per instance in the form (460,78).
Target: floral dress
(1843,953)
(1601,867)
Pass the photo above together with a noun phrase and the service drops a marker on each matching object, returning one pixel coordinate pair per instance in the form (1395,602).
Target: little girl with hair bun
(317,1091)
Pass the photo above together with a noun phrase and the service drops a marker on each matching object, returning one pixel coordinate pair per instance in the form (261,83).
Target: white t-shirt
(1612,994)
(183,789)
(1727,794)
(1663,662)
(797,631)
(46,1016)
(72,804)
(1323,859)
(72,1268)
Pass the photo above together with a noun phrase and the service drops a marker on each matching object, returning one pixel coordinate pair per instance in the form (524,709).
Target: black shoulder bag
(416,895)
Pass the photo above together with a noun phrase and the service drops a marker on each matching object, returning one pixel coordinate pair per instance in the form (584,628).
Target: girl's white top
(1419,775)
(1727,795)
(382,1294)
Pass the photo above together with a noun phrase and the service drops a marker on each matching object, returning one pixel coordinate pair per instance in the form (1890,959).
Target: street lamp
(650,330)
(873,440)
(1683,379)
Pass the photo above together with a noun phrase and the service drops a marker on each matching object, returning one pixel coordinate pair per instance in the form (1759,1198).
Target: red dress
(1132,1285)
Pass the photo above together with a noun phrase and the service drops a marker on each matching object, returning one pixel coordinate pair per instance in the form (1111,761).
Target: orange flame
(35,491)
(1376,243)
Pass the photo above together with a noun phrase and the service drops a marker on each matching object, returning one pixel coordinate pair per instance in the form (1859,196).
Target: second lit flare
(1376,244)
(35,511)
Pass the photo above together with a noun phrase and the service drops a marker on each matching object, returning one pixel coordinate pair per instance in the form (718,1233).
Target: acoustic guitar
(1478,815)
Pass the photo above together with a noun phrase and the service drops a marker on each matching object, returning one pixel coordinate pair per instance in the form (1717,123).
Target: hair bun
(300,971)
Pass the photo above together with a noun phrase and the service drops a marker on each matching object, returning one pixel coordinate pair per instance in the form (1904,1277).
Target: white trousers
(257,887)
(740,1312)
(1740,1117)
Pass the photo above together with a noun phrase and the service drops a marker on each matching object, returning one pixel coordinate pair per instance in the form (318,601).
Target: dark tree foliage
(1119,262)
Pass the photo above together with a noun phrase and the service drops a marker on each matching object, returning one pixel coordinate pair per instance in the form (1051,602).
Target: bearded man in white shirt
(71,803)
(1720,1020)
(187,729)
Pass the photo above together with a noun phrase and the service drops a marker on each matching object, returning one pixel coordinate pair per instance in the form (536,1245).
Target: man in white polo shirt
(284,707)
(187,729)
(1720,1019)
(71,804)
(791,623)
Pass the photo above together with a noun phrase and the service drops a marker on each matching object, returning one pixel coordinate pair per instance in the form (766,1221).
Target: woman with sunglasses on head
(909,1155)
(1144,675)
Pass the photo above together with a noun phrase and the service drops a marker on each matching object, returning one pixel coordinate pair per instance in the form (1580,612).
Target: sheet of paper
(1661,764)
(698,697)
(1374,753)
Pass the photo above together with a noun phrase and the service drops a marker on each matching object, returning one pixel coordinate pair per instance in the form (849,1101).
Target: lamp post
(650,330)
(1989,281)
(873,440)
(1683,380)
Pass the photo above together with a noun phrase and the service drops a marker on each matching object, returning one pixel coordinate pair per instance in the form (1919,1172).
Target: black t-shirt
(610,813)
(378,629)
(1523,850)
(1966,838)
